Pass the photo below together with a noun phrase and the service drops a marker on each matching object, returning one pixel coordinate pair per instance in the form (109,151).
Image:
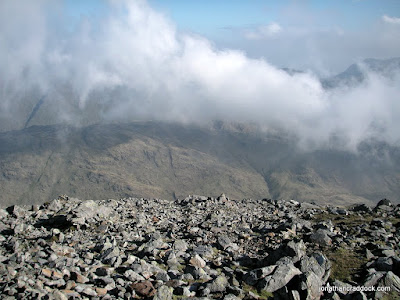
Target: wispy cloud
(262,32)
(391,20)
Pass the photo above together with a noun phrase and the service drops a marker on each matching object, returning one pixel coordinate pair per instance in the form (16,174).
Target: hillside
(168,160)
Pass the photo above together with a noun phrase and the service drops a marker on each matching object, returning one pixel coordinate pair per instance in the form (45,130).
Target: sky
(192,61)
(327,35)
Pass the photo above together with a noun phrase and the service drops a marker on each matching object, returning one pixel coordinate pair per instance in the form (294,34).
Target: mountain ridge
(170,160)
(356,73)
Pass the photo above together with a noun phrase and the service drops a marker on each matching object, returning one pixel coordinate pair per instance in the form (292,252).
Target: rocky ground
(198,247)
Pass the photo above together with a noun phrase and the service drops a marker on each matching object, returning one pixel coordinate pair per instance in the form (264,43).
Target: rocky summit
(199,248)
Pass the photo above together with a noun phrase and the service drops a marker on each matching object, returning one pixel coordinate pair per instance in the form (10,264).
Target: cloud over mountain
(136,64)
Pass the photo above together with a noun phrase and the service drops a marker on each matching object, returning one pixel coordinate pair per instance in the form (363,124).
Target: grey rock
(197,261)
(88,291)
(312,284)
(324,262)
(16,211)
(55,205)
(231,297)
(361,208)
(3,213)
(325,225)
(131,248)
(294,295)
(389,253)
(219,284)
(281,276)
(369,255)
(311,265)
(373,278)
(133,276)
(391,280)
(385,202)
(224,242)
(164,293)
(383,264)
(58,295)
(204,251)
(342,211)
(321,237)
(87,210)
(295,250)
(180,245)
(197,273)
(162,276)
(254,276)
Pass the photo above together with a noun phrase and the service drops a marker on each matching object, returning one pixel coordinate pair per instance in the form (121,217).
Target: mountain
(357,73)
(42,155)
(166,160)
(106,160)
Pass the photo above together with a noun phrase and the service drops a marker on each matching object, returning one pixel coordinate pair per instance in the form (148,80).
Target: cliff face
(169,160)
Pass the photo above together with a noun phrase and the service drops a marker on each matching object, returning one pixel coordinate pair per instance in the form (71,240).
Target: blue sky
(209,16)
(344,28)
(206,16)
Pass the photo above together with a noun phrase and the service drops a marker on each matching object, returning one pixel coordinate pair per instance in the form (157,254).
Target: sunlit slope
(166,160)
(113,161)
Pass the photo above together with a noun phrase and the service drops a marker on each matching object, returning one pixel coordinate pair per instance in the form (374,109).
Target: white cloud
(326,51)
(162,74)
(391,20)
(263,32)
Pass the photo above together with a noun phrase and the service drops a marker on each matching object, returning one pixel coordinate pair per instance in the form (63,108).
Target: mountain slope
(167,160)
(39,163)
(357,73)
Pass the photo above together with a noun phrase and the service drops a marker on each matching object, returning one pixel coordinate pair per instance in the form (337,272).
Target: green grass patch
(345,263)
(391,296)
(260,293)
(215,251)
(180,267)
(191,281)
(394,220)
(352,219)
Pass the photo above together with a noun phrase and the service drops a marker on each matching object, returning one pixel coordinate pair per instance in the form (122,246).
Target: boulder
(279,278)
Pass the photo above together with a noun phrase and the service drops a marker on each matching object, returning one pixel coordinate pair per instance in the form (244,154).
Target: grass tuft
(345,263)
(263,295)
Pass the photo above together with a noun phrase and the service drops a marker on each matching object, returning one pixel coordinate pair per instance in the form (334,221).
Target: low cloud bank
(135,64)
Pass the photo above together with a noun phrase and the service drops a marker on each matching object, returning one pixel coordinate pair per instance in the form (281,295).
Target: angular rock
(391,280)
(252,277)
(197,261)
(321,237)
(385,202)
(164,293)
(224,242)
(219,284)
(279,278)
(295,250)
(144,288)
